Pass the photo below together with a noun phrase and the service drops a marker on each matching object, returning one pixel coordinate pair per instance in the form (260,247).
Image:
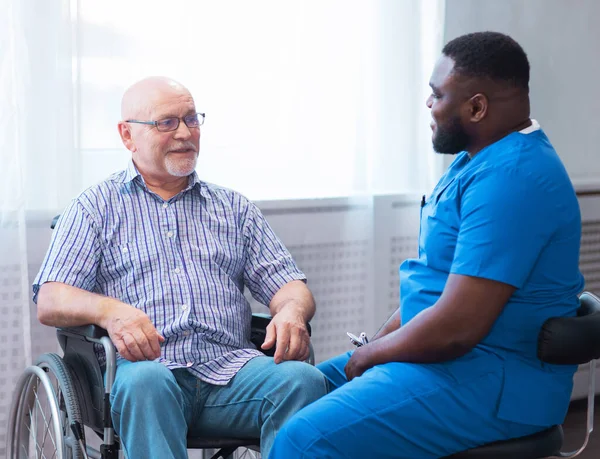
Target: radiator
(589,201)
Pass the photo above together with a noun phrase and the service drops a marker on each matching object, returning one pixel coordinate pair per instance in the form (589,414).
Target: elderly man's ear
(125,133)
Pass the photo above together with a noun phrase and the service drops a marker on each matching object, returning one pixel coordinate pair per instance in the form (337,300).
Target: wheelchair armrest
(259,332)
(54,221)
(84,331)
(260,321)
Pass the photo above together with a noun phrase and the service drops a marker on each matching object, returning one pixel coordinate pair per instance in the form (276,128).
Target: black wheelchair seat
(542,444)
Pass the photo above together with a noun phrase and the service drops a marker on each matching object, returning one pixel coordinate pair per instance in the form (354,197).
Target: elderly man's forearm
(62,305)
(294,295)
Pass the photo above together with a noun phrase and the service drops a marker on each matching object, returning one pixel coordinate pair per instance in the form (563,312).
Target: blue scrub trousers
(402,411)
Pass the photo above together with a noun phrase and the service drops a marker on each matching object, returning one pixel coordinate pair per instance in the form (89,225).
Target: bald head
(140,97)
(160,154)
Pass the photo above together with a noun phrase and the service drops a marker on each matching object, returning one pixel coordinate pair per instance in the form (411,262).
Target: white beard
(180,167)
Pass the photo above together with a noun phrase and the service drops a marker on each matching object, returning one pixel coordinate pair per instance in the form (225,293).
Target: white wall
(562,41)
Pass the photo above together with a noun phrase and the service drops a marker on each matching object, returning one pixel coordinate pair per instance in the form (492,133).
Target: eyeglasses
(172,124)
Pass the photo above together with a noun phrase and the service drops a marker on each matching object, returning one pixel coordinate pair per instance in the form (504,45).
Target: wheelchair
(57,397)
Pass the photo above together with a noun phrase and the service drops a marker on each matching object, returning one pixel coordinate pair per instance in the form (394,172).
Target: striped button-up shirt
(184,262)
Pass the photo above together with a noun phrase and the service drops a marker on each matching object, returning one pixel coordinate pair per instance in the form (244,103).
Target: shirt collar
(535,126)
(131,173)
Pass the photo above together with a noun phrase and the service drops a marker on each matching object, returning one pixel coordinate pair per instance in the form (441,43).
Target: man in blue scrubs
(456,366)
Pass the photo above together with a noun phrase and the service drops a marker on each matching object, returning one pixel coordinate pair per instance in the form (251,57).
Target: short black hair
(490,55)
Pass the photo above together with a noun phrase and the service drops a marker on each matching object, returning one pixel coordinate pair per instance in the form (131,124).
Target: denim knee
(149,411)
(142,381)
(308,383)
(304,383)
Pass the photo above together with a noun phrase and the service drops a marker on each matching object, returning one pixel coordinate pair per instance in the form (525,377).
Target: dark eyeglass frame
(189,120)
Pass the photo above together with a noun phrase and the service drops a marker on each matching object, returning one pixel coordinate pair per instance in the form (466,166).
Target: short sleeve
(269,265)
(74,253)
(506,220)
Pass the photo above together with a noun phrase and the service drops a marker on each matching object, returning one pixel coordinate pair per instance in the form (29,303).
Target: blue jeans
(154,408)
(402,411)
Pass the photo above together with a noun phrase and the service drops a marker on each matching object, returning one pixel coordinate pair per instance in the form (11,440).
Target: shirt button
(189,364)
(169,233)
(165,205)
(177,270)
(125,250)
(184,306)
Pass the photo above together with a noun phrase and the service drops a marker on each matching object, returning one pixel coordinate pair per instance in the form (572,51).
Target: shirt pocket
(440,228)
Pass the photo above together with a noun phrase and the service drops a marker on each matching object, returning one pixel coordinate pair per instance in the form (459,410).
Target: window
(302,99)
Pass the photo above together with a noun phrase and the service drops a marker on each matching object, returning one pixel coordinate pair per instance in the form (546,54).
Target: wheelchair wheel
(43,410)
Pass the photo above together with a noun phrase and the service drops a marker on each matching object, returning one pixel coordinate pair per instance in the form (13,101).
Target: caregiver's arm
(461,318)
(390,325)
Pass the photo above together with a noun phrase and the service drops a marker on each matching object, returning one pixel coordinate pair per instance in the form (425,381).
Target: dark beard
(450,139)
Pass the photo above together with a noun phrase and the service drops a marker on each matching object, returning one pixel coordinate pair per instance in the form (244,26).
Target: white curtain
(38,169)
(303,100)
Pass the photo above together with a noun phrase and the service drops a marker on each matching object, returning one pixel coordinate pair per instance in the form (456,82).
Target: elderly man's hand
(132,332)
(288,330)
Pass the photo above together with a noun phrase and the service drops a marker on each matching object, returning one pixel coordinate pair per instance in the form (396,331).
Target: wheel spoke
(34,436)
(46,421)
(32,431)
(248,453)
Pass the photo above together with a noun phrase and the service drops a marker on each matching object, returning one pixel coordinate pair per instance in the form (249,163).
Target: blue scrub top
(509,214)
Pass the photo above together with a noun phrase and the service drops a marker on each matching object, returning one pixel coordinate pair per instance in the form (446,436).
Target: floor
(575,428)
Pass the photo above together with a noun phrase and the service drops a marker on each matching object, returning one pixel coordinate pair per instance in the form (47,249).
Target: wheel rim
(69,439)
(39,428)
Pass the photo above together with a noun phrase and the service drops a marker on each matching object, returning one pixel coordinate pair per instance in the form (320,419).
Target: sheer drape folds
(38,169)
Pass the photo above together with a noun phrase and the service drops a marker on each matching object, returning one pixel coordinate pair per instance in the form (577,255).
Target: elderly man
(456,367)
(160,260)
